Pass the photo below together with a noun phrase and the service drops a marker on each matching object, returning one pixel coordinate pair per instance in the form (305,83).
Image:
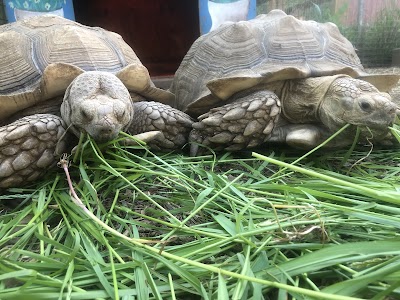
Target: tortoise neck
(302,98)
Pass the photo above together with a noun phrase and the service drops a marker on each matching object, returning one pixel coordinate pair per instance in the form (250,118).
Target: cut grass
(234,226)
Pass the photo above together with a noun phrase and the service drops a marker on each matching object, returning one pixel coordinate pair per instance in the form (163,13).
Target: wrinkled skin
(301,113)
(99,104)
(338,102)
(356,102)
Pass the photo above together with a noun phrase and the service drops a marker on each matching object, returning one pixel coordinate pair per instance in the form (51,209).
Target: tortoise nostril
(105,130)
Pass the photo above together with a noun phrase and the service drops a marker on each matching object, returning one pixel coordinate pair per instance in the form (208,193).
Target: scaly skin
(359,103)
(312,110)
(173,124)
(97,103)
(28,147)
(247,121)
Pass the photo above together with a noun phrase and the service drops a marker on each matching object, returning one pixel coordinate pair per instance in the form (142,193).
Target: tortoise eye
(365,105)
(121,115)
(86,115)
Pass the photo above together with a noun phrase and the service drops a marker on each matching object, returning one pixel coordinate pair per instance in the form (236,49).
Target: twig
(64,164)
(144,244)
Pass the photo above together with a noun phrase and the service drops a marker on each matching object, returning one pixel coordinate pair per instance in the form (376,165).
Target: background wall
(371,25)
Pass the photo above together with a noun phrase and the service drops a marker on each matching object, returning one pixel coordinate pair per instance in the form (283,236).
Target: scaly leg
(172,123)
(247,121)
(28,147)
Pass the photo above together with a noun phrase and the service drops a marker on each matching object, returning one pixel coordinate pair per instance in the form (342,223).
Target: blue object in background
(15,8)
(214,12)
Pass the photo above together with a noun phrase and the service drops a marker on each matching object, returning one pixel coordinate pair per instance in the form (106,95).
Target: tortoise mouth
(104,138)
(103,134)
(380,120)
(100,134)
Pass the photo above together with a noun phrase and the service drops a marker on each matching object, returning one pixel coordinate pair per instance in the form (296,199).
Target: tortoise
(58,76)
(279,79)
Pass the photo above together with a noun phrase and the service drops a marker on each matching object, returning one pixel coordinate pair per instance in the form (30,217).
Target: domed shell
(271,47)
(40,56)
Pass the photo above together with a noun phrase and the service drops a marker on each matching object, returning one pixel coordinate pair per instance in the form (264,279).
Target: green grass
(262,225)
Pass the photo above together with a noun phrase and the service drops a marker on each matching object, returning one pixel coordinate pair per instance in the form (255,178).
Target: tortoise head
(97,103)
(359,103)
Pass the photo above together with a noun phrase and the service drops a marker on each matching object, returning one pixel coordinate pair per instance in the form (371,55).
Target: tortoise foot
(173,124)
(246,122)
(28,147)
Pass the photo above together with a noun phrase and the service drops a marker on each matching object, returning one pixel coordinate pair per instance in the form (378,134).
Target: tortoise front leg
(300,136)
(173,124)
(308,136)
(247,121)
(28,147)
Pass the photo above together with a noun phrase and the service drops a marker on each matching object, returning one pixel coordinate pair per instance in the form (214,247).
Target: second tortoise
(279,79)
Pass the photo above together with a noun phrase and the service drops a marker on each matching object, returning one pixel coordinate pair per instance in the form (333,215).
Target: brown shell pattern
(276,46)
(29,46)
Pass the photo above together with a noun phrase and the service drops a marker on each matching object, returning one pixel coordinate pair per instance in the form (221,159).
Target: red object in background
(159,31)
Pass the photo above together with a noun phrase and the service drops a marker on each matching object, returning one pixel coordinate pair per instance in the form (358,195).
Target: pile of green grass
(265,225)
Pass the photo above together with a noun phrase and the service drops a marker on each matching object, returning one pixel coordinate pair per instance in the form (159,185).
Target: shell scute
(272,47)
(49,51)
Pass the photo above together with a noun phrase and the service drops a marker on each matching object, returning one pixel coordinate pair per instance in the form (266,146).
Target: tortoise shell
(276,46)
(42,55)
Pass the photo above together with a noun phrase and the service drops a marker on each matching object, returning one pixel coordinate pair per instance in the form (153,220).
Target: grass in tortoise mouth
(272,223)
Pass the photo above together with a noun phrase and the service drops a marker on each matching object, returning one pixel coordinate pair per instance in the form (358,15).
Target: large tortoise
(280,79)
(50,62)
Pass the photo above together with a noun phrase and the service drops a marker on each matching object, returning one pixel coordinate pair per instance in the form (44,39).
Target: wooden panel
(159,31)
